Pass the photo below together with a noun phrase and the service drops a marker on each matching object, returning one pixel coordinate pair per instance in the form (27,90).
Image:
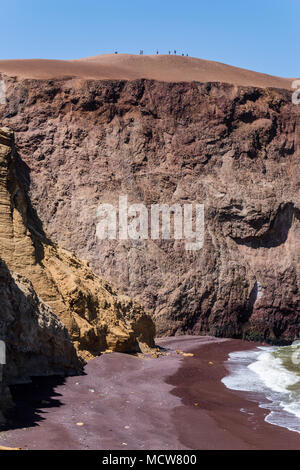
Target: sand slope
(129,67)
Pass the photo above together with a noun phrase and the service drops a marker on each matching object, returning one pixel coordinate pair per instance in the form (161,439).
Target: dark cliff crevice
(277,232)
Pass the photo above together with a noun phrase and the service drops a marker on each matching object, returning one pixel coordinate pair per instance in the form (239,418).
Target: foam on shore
(273,380)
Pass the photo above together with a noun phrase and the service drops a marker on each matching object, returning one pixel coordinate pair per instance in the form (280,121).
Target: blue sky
(261,35)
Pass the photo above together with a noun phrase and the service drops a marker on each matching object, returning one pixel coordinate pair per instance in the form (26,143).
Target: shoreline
(131,403)
(217,422)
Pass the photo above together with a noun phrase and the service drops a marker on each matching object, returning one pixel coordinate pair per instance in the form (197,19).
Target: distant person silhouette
(169,52)
(141,52)
(175,52)
(157,52)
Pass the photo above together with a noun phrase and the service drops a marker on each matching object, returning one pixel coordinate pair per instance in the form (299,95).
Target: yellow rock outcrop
(96,316)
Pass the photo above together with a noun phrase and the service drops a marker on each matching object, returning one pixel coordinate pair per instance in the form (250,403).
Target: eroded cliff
(235,149)
(50,300)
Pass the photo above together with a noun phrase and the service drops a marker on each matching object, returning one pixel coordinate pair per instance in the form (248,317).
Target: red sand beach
(126,402)
(166,68)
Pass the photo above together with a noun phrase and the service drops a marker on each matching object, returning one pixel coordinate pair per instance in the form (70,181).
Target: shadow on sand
(32,401)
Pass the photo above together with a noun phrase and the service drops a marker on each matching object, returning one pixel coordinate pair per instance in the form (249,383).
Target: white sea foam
(272,373)
(270,382)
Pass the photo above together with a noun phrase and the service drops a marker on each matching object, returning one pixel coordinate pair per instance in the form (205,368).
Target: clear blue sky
(261,35)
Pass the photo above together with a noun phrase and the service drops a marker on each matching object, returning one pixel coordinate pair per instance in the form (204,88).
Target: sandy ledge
(125,402)
(165,68)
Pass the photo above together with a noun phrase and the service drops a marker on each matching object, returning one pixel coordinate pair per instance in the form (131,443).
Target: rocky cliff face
(37,342)
(50,300)
(234,149)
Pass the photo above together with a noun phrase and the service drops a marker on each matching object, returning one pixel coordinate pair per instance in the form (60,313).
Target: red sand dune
(167,68)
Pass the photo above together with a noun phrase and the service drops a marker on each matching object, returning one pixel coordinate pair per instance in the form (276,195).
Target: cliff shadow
(31,401)
(30,217)
(19,320)
(278,231)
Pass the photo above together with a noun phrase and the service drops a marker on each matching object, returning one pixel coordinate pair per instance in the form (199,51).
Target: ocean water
(273,375)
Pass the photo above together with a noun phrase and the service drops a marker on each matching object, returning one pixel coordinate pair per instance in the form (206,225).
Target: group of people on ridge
(157,52)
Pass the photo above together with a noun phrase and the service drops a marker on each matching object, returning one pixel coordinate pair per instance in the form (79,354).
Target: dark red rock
(235,149)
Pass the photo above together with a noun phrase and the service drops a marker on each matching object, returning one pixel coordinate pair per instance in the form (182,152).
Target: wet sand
(217,421)
(165,68)
(125,402)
